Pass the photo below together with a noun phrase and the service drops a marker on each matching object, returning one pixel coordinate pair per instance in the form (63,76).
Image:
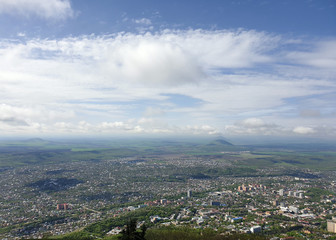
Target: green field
(38,151)
(321,160)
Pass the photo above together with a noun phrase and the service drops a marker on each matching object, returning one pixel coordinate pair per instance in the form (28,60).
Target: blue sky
(232,68)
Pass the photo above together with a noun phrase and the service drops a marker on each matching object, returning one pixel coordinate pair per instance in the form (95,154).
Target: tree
(130,232)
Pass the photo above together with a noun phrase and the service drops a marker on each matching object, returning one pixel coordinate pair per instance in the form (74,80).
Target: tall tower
(189,194)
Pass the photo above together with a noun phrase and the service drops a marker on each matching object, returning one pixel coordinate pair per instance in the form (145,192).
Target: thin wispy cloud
(144,21)
(323,56)
(50,9)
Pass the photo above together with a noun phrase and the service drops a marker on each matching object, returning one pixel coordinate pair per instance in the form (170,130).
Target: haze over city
(200,68)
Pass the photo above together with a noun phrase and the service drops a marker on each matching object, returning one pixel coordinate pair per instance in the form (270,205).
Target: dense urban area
(222,191)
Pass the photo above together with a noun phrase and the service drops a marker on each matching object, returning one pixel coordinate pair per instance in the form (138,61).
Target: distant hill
(220,142)
(35,140)
(218,145)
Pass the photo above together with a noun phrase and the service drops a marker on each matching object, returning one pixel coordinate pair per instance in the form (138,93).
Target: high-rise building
(255,229)
(189,194)
(281,192)
(62,206)
(331,226)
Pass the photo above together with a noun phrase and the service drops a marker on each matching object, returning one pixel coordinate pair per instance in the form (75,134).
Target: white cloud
(108,126)
(253,126)
(254,123)
(154,112)
(98,83)
(303,130)
(50,9)
(26,116)
(152,63)
(201,130)
(143,126)
(326,130)
(21,34)
(308,113)
(229,49)
(13,121)
(144,21)
(323,55)
(257,126)
(163,59)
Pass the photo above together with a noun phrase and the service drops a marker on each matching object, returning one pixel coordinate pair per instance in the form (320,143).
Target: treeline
(171,233)
(175,233)
(100,228)
(315,193)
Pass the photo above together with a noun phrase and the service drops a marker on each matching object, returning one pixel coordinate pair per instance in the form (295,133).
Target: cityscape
(199,190)
(168,120)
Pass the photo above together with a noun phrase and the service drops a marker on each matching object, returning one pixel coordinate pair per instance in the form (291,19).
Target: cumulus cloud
(142,126)
(303,130)
(27,116)
(257,126)
(253,126)
(201,130)
(166,58)
(50,9)
(254,123)
(21,34)
(153,63)
(111,126)
(320,130)
(15,116)
(151,126)
(97,83)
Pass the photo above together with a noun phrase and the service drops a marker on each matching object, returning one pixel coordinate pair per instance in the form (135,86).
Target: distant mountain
(220,142)
(35,140)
